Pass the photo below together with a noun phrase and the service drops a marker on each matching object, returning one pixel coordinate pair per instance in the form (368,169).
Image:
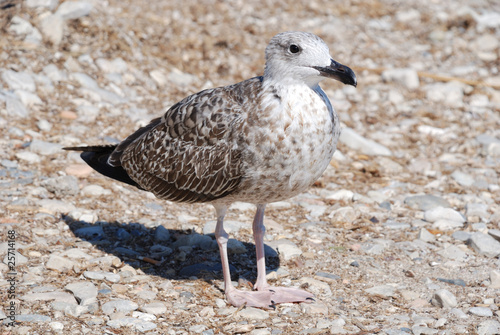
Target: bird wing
(191,153)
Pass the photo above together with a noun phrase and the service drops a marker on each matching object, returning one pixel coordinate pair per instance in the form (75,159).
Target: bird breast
(290,144)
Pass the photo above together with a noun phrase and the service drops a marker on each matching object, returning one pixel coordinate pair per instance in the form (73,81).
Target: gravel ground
(401,235)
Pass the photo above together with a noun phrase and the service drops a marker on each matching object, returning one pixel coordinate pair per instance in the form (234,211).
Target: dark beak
(339,72)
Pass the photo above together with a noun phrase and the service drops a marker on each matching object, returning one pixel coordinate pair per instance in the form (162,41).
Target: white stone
(366,146)
(462,178)
(443,213)
(286,248)
(28,99)
(52,28)
(49,4)
(28,156)
(451,93)
(444,298)
(341,195)
(20,26)
(84,292)
(405,77)
(117,65)
(70,10)
(19,80)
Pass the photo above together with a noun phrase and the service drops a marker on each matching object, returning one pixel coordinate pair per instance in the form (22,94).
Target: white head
(299,57)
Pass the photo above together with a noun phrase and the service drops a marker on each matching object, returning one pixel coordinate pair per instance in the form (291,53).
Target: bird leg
(278,294)
(236,297)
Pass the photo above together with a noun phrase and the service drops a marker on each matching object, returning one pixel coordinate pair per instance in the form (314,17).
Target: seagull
(262,140)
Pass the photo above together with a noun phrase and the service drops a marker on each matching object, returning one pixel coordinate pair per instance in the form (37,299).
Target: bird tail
(97,158)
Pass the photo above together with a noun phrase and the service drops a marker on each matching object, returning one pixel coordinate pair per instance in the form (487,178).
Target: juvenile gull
(262,140)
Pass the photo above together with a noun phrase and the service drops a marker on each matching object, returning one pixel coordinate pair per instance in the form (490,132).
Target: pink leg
(236,297)
(278,294)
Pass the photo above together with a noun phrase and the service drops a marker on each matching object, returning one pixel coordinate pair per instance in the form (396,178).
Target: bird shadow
(170,253)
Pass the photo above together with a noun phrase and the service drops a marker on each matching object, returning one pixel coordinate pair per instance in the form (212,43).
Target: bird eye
(294,48)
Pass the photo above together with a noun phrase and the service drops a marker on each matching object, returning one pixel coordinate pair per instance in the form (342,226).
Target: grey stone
(461,235)
(162,234)
(84,292)
(426,236)
(62,186)
(45,148)
(48,296)
(480,210)
(60,264)
(53,72)
(366,146)
(116,306)
(484,244)
(444,298)
(70,10)
(426,202)
(90,233)
(453,252)
(488,327)
(495,233)
(495,279)
(235,247)
(480,311)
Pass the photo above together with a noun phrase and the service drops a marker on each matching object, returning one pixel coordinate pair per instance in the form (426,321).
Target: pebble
(90,233)
(252,313)
(155,308)
(391,224)
(442,213)
(117,306)
(406,77)
(495,279)
(84,292)
(426,202)
(45,148)
(458,313)
(52,28)
(162,234)
(444,298)
(481,311)
(70,10)
(94,191)
(383,291)
(60,264)
(32,318)
(136,324)
(451,93)
(426,236)
(62,186)
(14,107)
(484,244)
(285,248)
(454,252)
(488,327)
(49,4)
(462,178)
(56,326)
(19,80)
(365,146)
